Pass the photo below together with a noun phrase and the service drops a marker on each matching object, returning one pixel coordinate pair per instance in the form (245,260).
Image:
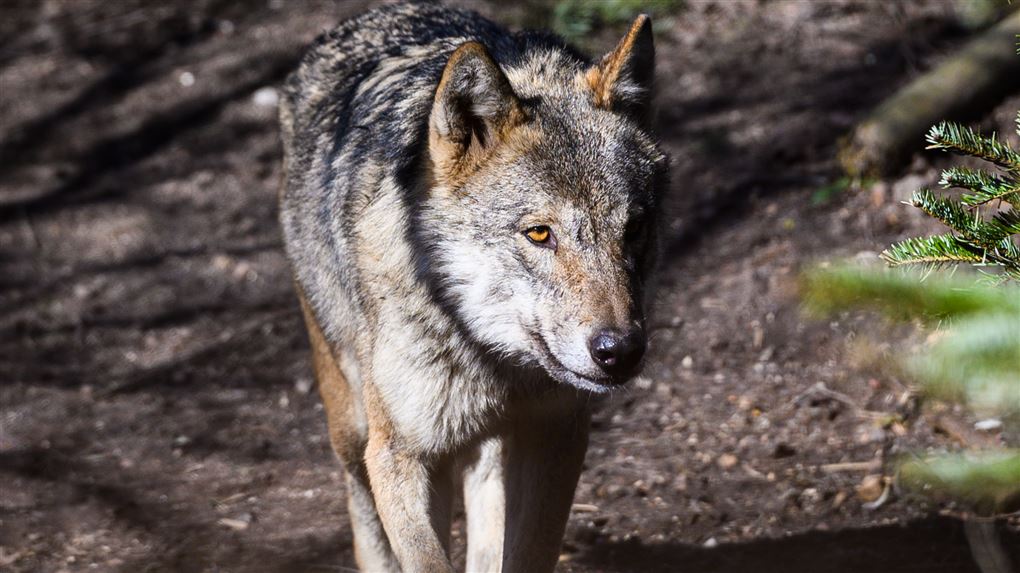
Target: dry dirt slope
(158,412)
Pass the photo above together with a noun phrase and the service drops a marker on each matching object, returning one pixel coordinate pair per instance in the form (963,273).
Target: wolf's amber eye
(541,235)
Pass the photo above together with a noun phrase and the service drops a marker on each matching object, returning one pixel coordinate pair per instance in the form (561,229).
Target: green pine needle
(937,250)
(985,187)
(1007,254)
(961,139)
(905,295)
(1009,221)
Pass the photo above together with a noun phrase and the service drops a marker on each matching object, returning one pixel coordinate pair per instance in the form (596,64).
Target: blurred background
(158,406)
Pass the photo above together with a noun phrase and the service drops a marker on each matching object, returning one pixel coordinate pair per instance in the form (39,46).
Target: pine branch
(937,250)
(1005,251)
(961,139)
(987,480)
(973,239)
(985,187)
(1007,255)
(970,229)
(949,212)
(978,360)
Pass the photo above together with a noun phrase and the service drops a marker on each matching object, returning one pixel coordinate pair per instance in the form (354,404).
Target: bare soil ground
(158,408)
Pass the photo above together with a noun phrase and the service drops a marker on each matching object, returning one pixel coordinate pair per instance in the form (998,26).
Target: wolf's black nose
(618,354)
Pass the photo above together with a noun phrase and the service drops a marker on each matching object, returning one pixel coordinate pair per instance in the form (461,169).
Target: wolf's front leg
(543,462)
(413,506)
(484,504)
(371,548)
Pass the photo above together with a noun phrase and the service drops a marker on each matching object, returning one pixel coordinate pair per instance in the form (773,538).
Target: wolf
(471,217)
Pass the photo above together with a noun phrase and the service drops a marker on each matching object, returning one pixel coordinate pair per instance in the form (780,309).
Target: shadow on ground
(933,545)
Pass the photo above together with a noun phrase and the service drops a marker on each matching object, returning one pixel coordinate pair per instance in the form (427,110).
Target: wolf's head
(542,212)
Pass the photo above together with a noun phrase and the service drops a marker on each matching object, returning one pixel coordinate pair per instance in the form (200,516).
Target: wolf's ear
(474,108)
(622,81)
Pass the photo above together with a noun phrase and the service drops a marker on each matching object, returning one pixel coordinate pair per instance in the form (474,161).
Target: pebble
(810,496)
(711,543)
(641,488)
(303,385)
(687,362)
(266,97)
(727,461)
(186,79)
(870,435)
(870,488)
(757,334)
(989,425)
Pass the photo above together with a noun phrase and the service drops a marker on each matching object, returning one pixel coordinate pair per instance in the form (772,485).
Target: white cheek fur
(480,293)
(500,309)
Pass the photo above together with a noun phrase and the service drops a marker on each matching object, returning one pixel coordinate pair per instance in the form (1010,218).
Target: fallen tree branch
(982,73)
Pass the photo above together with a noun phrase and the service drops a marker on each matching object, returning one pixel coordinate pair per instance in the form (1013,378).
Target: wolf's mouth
(561,373)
